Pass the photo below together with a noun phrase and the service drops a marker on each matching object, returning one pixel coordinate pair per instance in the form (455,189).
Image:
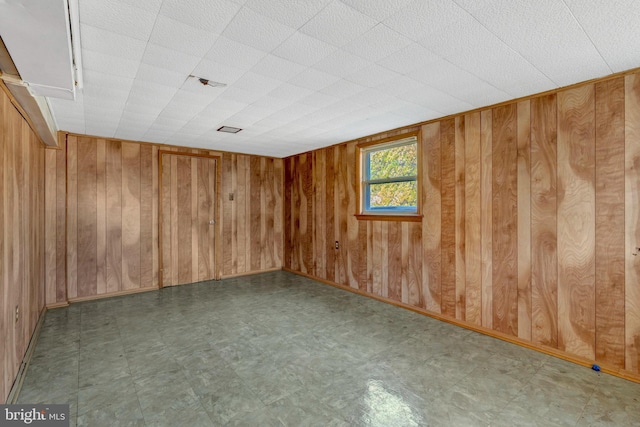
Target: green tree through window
(390,172)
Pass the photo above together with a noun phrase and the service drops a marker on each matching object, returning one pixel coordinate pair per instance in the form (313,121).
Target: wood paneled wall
(22,228)
(531,219)
(102,216)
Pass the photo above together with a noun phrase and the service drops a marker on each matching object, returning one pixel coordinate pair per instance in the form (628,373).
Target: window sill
(389,217)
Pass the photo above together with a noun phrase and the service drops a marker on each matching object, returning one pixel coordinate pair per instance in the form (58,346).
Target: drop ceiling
(306,74)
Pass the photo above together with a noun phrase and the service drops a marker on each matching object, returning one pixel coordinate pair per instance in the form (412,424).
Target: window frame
(387,214)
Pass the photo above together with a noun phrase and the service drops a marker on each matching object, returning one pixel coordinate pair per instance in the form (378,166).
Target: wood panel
(576,221)
(131,215)
(524,218)
(544,265)
(448,212)
(472,220)
(26,212)
(114,216)
(486,216)
(86,215)
(72,217)
(431,208)
(632,223)
(504,244)
(609,251)
(522,227)
(101,217)
(460,211)
(147,194)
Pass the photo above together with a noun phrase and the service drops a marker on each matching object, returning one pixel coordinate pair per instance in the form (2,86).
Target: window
(389,179)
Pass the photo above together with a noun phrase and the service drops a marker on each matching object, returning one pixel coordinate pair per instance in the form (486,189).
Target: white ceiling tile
(342,88)
(271,102)
(234,54)
(303,49)
(481,53)
(170,59)
(152,6)
(290,92)
(434,99)
(292,13)
(377,43)
(552,51)
(241,95)
(217,71)
(109,64)
(208,15)
(277,68)
(397,85)
(151,73)
(103,81)
(257,84)
(109,43)
(412,57)
(338,24)
(377,9)
(258,31)
(422,18)
(341,63)
(185,38)
(117,17)
(372,76)
(313,79)
(613,28)
(318,100)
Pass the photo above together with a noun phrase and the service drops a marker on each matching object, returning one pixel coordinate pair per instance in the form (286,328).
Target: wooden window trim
(360,214)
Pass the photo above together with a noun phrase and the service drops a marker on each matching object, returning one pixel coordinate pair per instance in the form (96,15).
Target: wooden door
(188,218)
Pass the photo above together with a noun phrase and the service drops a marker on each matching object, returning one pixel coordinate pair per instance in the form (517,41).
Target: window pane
(393,195)
(393,162)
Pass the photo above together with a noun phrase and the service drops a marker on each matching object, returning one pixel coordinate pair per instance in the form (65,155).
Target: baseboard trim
(57,305)
(486,331)
(14,392)
(113,294)
(251,273)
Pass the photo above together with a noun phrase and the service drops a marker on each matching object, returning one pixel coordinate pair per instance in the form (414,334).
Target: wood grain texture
(609,251)
(486,216)
(28,190)
(632,223)
(254,213)
(72,217)
(50,226)
(147,223)
(61,223)
(101,216)
(524,219)
(86,208)
(544,261)
(472,223)
(184,220)
(394,254)
(576,221)
(431,208)
(114,216)
(496,212)
(505,248)
(460,211)
(130,215)
(448,212)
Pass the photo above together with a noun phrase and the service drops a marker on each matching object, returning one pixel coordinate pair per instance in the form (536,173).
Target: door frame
(217,235)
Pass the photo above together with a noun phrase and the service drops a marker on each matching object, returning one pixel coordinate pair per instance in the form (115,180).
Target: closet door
(188,218)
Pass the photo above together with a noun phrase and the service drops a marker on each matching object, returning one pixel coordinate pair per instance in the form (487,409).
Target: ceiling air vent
(229,129)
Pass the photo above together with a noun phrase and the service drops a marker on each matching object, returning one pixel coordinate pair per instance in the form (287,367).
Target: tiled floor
(276,349)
